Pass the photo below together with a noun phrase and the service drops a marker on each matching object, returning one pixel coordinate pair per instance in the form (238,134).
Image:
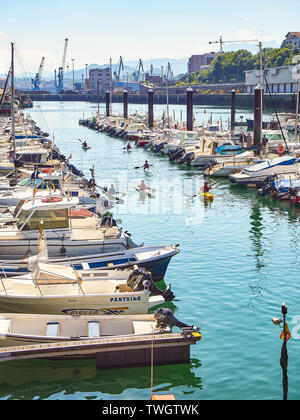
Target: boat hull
(153,259)
(131,304)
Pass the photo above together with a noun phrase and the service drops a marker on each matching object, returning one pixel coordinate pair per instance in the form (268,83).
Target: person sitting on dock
(146,165)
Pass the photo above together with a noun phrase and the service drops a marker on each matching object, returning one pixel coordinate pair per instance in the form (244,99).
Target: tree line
(230,67)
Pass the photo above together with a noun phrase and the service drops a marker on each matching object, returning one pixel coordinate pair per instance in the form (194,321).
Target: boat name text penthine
(126,299)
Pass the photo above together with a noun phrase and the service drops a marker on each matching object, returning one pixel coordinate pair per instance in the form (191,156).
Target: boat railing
(3,285)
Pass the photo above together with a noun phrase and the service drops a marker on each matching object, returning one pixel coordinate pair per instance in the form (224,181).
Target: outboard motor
(158,148)
(54,155)
(165,318)
(13,183)
(178,154)
(140,280)
(267,186)
(267,189)
(108,222)
(187,159)
(91,184)
(270,179)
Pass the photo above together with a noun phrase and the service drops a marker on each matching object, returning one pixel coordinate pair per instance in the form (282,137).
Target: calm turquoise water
(239,260)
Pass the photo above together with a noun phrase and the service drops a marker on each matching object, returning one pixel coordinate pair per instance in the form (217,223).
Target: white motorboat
(233,165)
(54,289)
(65,235)
(29,329)
(257,174)
(106,333)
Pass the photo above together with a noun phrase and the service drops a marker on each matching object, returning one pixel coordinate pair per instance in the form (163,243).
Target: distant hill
(178,66)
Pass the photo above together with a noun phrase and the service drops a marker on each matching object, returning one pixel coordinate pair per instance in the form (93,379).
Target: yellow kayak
(208,196)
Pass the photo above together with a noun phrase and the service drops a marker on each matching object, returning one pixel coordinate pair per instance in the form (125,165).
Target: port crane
(120,67)
(60,85)
(38,77)
(221,42)
(151,70)
(140,67)
(169,74)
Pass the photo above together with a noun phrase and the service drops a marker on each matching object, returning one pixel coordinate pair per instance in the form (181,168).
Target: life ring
(280,149)
(52,200)
(48,170)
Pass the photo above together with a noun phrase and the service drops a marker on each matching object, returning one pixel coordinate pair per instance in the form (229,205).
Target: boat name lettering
(126,299)
(79,312)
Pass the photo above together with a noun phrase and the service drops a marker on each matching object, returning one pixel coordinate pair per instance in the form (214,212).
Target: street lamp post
(285,336)
(86,75)
(98,98)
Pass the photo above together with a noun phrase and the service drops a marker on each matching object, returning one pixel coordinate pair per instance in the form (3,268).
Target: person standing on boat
(146,165)
(68,160)
(35,173)
(249,140)
(265,144)
(243,138)
(11,156)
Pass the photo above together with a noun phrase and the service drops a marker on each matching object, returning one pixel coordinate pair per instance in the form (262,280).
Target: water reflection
(41,379)
(256,235)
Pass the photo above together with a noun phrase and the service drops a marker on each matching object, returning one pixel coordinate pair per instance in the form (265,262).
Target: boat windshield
(18,207)
(48,183)
(52,219)
(24,182)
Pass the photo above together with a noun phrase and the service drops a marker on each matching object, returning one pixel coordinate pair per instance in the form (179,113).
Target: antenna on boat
(13,103)
(152,363)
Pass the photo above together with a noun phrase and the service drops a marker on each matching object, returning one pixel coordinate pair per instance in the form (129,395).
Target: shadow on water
(42,379)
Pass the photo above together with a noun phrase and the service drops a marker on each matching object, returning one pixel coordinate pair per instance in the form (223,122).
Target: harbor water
(239,260)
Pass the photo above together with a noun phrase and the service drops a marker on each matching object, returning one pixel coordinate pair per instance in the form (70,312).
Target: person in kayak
(143,186)
(146,165)
(84,144)
(128,146)
(112,189)
(206,188)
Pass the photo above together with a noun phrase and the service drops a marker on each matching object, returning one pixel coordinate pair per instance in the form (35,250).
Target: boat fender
(281,149)
(51,200)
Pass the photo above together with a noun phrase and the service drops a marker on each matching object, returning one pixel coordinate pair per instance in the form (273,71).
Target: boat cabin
(55,215)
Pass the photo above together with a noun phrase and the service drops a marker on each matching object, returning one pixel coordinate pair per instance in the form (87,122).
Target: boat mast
(13,103)
(262,88)
(297,111)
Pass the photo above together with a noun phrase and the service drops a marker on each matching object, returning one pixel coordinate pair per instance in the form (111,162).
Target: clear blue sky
(100,29)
